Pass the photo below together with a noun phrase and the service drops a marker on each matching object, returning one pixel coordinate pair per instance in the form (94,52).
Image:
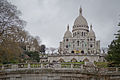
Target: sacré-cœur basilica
(79,45)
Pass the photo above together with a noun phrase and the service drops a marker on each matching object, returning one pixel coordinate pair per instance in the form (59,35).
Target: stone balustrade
(57,66)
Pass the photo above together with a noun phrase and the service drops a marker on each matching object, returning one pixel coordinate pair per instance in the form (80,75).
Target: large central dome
(80,20)
(80,23)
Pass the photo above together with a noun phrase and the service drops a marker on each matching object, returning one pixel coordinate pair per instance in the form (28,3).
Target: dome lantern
(80,11)
(68,27)
(91,27)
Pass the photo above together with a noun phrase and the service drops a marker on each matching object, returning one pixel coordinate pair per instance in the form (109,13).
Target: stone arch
(73,60)
(61,60)
(72,51)
(82,51)
(86,60)
(82,33)
(67,39)
(75,33)
(78,43)
(54,61)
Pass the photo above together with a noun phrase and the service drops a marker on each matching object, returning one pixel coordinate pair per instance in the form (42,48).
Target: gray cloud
(49,18)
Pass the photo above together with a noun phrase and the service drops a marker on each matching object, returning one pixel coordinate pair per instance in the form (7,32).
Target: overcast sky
(48,19)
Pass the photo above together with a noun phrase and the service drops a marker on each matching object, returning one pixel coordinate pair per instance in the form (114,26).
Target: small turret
(91,32)
(68,34)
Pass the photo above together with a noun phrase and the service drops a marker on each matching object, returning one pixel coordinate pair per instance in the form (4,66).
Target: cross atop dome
(80,10)
(91,27)
(68,27)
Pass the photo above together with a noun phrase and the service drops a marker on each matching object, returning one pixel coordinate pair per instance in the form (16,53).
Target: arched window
(73,60)
(73,45)
(72,51)
(82,33)
(78,43)
(82,45)
(86,60)
(82,51)
(66,39)
(90,39)
(91,45)
(61,60)
(75,34)
(66,46)
(73,41)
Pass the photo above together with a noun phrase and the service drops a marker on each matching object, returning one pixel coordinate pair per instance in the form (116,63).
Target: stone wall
(68,58)
(56,74)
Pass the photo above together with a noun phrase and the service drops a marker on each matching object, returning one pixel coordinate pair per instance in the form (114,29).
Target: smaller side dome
(91,32)
(68,34)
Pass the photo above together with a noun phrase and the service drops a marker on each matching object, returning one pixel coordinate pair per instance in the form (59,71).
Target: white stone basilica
(78,45)
(81,40)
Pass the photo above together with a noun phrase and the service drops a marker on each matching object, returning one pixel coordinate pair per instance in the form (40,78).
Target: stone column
(14,66)
(81,66)
(28,65)
(71,65)
(3,67)
(41,65)
(116,69)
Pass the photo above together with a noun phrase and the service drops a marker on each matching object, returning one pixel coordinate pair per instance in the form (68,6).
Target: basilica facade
(78,45)
(81,39)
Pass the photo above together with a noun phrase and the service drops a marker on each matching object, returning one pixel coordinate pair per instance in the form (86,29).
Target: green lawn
(101,64)
(68,64)
(1,64)
(74,62)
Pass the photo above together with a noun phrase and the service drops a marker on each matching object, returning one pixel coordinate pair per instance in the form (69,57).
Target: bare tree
(13,37)
(9,16)
(42,49)
(47,50)
(52,49)
(104,50)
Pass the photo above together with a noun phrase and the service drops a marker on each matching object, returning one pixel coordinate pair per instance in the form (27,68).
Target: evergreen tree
(42,48)
(113,56)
